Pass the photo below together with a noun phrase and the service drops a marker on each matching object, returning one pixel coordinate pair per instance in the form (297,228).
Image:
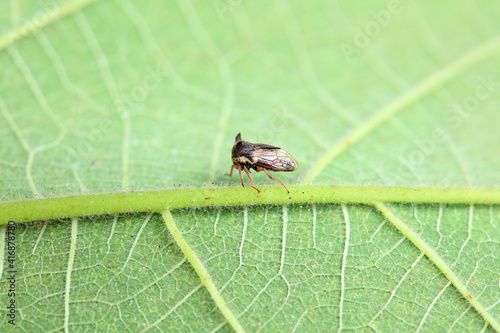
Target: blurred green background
(152,95)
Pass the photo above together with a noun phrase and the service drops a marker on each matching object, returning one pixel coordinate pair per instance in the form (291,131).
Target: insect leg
(250,178)
(273,177)
(231,172)
(241,178)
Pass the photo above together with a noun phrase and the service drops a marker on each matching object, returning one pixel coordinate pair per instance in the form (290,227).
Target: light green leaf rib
(71,261)
(439,262)
(156,201)
(40,21)
(427,86)
(202,272)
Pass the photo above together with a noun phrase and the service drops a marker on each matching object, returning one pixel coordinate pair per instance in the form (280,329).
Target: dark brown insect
(260,157)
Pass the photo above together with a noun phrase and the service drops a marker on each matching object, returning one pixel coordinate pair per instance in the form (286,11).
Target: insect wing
(274,159)
(263,146)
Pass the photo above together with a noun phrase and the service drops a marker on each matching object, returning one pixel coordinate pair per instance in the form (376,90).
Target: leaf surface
(103,96)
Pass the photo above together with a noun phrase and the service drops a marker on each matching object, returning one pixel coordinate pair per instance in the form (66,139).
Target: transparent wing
(274,159)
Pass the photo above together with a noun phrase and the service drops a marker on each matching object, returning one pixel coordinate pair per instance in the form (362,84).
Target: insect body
(260,157)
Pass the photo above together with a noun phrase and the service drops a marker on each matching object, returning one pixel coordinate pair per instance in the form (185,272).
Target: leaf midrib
(158,200)
(163,200)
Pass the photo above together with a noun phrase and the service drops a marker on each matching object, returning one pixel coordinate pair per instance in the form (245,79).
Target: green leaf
(116,125)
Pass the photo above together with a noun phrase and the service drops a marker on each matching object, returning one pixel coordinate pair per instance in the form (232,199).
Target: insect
(260,157)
